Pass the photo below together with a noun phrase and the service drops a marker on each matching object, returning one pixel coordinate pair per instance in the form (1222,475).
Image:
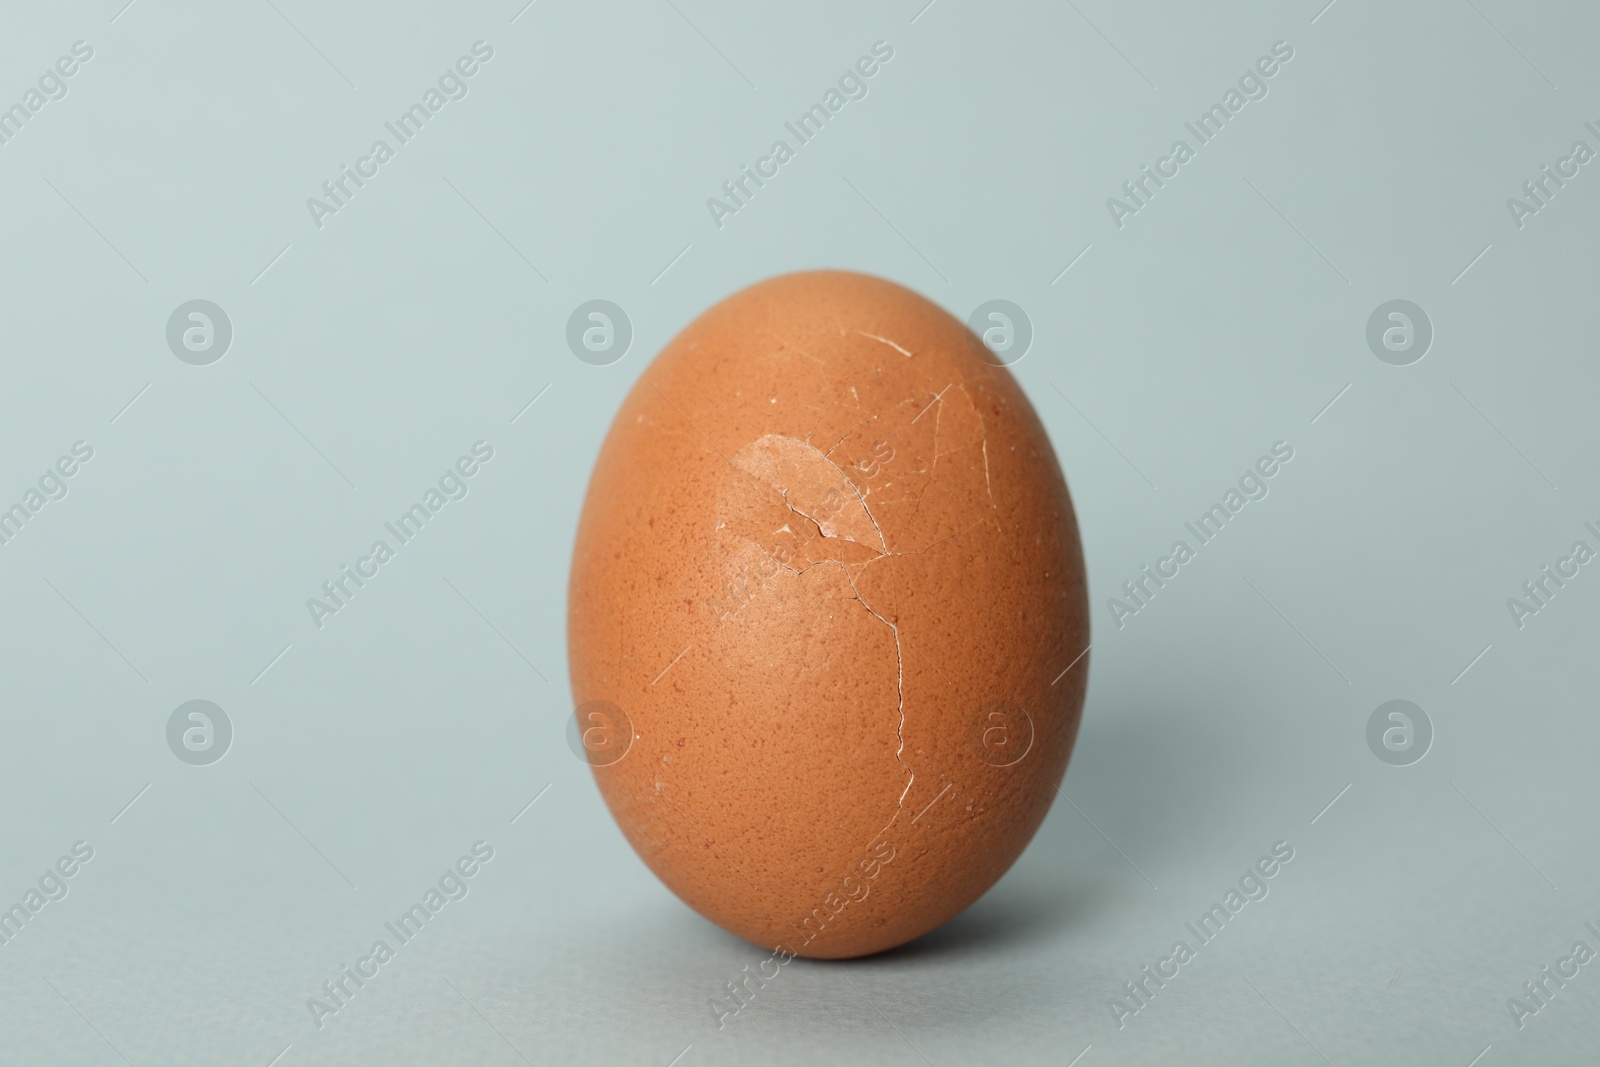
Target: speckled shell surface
(829,570)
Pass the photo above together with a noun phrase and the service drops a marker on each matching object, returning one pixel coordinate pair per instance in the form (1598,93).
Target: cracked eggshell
(829,568)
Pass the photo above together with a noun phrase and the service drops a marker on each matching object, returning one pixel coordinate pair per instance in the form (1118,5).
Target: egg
(828,596)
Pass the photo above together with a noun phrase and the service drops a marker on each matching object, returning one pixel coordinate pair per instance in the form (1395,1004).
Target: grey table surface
(356,343)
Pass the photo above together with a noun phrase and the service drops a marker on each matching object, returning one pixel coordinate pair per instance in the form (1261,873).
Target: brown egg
(829,571)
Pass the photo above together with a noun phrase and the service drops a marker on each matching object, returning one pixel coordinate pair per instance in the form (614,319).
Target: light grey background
(371,353)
